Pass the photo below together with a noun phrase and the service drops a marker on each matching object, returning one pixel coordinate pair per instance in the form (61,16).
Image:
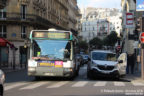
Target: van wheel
(1,90)
(117,78)
(89,75)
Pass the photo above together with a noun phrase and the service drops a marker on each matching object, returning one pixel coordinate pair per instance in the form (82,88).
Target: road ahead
(19,84)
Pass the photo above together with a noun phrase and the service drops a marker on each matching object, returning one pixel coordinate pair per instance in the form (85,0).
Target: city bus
(52,54)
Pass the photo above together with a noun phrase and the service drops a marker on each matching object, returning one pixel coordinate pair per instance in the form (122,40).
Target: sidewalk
(136,77)
(10,69)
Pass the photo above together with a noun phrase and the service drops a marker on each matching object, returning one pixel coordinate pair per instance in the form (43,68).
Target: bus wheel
(77,72)
(37,78)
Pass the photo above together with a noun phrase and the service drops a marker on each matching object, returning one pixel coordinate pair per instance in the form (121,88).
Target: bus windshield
(51,49)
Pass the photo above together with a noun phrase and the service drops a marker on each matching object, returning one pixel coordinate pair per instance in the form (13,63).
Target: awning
(4,42)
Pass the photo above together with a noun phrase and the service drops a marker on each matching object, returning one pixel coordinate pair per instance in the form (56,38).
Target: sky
(99,3)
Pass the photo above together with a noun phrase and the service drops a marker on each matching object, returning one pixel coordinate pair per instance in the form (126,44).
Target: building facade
(99,22)
(19,17)
(74,16)
(3,3)
(128,32)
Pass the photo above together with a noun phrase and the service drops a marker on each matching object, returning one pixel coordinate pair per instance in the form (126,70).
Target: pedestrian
(130,63)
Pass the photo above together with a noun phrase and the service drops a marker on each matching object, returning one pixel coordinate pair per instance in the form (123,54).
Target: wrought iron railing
(31,18)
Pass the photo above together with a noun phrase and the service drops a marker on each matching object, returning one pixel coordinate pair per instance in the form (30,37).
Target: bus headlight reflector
(32,63)
(68,69)
(31,69)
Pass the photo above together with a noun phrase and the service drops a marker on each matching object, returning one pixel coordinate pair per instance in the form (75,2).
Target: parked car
(79,58)
(2,79)
(85,59)
(105,64)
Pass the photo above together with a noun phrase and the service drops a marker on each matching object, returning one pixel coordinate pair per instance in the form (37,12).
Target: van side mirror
(120,61)
(89,59)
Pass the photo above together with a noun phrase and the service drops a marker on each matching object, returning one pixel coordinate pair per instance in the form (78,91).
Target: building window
(3,13)
(23,31)
(23,11)
(3,31)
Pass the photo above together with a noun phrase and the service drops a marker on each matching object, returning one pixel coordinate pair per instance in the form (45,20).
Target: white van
(105,63)
(2,79)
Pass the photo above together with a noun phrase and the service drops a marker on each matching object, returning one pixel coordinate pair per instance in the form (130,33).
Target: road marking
(119,84)
(14,86)
(59,84)
(100,83)
(137,84)
(80,84)
(35,85)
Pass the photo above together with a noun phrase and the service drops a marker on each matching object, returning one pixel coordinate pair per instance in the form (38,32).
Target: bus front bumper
(54,72)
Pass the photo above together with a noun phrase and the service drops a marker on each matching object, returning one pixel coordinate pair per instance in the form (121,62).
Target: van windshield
(104,56)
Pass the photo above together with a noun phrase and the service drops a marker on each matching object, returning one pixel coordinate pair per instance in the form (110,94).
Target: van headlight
(94,64)
(2,76)
(32,63)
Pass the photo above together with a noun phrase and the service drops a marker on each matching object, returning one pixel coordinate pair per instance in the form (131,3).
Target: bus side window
(37,49)
(67,50)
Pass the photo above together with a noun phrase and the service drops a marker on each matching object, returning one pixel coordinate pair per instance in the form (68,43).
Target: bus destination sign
(51,35)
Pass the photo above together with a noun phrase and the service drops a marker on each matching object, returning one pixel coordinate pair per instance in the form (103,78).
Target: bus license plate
(49,74)
(47,64)
(59,64)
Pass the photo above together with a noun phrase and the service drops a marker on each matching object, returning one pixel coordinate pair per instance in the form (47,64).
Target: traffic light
(138,25)
(142,24)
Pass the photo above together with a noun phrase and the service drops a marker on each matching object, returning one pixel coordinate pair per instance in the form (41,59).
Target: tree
(96,43)
(83,45)
(111,39)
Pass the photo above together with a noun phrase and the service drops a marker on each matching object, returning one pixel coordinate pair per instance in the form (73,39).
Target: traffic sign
(141,37)
(129,20)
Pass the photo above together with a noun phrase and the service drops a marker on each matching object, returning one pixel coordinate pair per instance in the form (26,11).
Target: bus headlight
(32,69)
(32,63)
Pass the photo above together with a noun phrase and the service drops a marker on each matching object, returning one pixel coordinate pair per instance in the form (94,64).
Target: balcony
(2,4)
(63,3)
(30,19)
(16,18)
(24,1)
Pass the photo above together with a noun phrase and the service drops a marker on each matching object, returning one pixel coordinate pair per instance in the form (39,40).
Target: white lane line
(35,85)
(14,86)
(119,84)
(80,84)
(59,84)
(137,84)
(100,83)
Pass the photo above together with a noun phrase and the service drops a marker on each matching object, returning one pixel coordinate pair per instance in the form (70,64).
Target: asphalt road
(19,84)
